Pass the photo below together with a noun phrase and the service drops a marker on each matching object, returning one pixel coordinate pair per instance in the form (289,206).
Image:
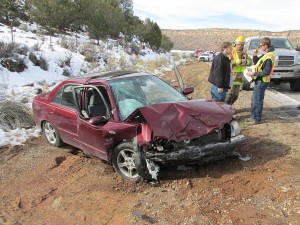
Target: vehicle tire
(52,134)
(295,85)
(124,163)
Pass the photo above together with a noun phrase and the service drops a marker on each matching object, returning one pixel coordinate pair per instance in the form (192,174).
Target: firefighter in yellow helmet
(239,61)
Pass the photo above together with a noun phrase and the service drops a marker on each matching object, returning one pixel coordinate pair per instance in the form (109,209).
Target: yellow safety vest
(236,58)
(259,64)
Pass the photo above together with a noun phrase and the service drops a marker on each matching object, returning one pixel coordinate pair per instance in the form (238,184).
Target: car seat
(96,106)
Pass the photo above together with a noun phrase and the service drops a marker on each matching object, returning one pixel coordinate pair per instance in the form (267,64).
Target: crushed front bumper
(199,154)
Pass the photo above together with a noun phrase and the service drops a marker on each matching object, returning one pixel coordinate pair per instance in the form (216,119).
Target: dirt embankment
(211,39)
(41,184)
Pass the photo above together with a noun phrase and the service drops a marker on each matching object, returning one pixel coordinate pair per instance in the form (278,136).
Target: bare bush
(36,47)
(68,44)
(92,52)
(14,115)
(8,50)
(112,63)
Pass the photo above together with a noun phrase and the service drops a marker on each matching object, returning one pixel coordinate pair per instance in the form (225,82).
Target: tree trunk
(12,32)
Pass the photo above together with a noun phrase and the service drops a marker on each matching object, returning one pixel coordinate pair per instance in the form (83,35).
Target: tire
(52,134)
(124,163)
(295,85)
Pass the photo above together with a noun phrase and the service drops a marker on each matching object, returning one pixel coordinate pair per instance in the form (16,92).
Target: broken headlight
(235,128)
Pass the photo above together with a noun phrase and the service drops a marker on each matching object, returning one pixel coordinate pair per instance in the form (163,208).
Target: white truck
(287,61)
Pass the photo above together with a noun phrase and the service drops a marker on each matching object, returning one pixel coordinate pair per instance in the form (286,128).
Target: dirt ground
(41,184)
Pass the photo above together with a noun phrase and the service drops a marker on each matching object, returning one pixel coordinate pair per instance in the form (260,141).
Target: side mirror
(188,90)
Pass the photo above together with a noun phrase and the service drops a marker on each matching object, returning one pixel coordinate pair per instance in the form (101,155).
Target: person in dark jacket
(261,74)
(220,73)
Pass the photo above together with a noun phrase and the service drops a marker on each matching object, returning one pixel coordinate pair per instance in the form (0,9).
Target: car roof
(104,76)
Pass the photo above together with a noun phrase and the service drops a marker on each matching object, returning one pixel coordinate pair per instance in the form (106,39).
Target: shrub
(66,61)
(15,115)
(43,63)
(36,47)
(32,57)
(67,72)
(22,49)
(16,64)
(123,63)
(134,49)
(112,63)
(68,44)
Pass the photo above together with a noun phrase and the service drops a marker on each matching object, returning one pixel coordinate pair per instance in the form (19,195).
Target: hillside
(212,38)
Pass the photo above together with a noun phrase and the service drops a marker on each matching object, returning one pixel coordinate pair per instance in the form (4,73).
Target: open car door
(184,89)
(93,114)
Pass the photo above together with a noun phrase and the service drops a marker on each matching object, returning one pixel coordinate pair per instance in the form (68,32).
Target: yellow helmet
(240,40)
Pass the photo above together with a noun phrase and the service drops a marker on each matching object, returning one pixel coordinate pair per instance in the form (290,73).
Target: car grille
(285,60)
(210,138)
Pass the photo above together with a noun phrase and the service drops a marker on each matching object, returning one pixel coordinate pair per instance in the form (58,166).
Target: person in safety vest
(219,75)
(261,74)
(239,61)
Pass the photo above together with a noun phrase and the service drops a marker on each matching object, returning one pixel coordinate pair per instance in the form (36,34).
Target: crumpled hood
(185,120)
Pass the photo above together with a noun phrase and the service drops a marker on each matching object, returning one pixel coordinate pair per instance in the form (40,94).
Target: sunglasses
(262,45)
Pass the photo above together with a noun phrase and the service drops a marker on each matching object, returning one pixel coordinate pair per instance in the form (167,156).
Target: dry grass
(14,115)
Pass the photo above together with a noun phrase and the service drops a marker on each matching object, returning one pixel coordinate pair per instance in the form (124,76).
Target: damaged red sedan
(136,122)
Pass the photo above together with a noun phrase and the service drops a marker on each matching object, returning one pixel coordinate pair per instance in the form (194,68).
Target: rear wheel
(295,85)
(52,134)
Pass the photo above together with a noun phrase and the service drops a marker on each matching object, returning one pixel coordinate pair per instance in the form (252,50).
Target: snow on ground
(17,86)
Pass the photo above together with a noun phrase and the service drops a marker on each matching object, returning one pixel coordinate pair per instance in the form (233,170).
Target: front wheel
(52,134)
(295,85)
(124,163)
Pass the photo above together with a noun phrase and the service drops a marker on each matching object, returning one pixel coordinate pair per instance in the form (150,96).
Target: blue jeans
(216,96)
(258,100)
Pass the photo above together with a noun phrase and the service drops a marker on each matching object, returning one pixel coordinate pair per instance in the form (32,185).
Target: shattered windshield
(133,92)
(276,42)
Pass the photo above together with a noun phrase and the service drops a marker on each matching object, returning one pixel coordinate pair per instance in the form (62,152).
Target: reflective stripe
(237,83)
(236,60)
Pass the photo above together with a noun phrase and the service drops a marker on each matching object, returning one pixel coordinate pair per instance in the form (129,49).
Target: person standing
(261,74)
(239,61)
(219,75)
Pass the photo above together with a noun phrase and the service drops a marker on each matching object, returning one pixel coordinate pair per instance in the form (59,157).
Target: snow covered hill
(67,56)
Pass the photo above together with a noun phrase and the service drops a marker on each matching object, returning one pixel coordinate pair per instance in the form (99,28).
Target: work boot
(252,121)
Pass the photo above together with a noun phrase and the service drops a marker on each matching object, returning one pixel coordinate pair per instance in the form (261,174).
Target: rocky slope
(212,38)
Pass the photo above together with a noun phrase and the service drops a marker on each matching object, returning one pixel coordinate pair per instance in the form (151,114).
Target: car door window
(64,97)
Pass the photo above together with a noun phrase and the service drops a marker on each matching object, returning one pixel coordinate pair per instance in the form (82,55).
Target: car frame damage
(191,137)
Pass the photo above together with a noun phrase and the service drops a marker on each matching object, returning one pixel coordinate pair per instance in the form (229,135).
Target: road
(288,101)
(285,89)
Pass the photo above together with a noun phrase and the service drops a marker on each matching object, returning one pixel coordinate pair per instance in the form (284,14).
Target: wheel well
(42,125)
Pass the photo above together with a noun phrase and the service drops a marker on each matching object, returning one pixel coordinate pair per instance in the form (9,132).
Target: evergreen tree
(10,10)
(55,14)
(103,20)
(166,43)
(151,33)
